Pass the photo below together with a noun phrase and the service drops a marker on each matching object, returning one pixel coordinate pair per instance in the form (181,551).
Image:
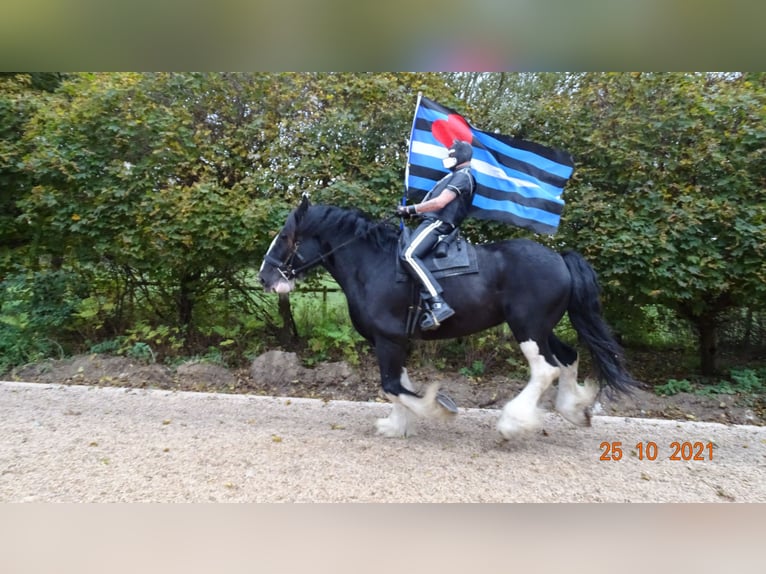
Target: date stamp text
(649,450)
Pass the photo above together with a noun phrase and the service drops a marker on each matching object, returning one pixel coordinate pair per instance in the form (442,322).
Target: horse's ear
(303,207)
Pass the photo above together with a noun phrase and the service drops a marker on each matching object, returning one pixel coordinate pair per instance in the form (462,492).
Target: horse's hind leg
(522,414)
(573,402)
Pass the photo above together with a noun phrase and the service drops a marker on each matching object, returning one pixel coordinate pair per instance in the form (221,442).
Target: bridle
(289,272)
(285,268)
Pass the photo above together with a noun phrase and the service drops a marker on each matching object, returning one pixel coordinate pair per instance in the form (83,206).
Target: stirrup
(433,319)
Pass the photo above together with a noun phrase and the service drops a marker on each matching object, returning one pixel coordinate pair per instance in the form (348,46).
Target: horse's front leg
(400,391)
(400,422)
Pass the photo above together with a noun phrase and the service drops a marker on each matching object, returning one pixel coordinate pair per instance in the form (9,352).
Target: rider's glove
(405,210)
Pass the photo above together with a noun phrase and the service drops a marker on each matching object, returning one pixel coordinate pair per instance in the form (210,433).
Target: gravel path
(85,444)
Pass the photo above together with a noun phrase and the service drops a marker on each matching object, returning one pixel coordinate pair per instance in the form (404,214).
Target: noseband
(285,268)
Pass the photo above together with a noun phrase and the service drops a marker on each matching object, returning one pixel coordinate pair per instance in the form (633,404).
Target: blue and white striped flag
(517,181)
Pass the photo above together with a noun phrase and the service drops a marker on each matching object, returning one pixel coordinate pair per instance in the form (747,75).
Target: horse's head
(277,271)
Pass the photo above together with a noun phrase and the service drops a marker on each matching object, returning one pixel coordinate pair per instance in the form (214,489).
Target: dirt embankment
(278,373)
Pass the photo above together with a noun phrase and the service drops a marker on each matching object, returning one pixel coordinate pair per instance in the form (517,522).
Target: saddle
(451,256)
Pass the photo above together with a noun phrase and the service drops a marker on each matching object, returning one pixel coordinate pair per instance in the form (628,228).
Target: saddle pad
(460,260)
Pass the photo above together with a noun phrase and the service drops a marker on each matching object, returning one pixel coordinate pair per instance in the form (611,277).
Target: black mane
(348,223)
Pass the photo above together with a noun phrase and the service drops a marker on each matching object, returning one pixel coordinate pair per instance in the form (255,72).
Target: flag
(517,182)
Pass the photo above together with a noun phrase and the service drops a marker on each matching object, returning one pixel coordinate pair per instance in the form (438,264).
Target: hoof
(517,422)
(398,424)
(392,429)
(578,418)
(511,432)
(432,405)
(446,402)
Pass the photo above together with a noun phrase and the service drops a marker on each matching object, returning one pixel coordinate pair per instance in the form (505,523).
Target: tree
(173,184)
(20,96)
(154,177)
(668,196)
(346,142)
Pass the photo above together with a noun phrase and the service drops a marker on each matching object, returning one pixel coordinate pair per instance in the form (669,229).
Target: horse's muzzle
(280,286)
(283,286)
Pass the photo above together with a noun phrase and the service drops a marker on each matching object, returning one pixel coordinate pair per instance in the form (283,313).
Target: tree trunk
(288,333)
(185,302)
(747,338)
(708,344)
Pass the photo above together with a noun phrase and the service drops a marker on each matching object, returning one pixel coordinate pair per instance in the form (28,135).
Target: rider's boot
(437,312)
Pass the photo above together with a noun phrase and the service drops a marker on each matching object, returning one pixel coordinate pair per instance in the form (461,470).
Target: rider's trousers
(422,240)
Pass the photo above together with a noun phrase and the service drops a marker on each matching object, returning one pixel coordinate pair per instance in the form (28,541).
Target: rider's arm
(437,202)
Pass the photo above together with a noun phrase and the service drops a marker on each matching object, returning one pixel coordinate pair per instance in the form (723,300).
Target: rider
(443,209)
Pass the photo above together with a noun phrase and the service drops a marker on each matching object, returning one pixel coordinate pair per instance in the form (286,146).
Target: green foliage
(329,341)
(136,202)
(107,347)
(667,196)
(323,321)
(20,99)
(749,380)
(143,342)
(653,326)
(672,201)
(142,351)
(476,369)
(347,142)
(168,187)
(673,387)
(35,309)
(154,175)
(743,382)
(491,351)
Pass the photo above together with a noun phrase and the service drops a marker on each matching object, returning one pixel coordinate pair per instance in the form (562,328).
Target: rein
(289,273)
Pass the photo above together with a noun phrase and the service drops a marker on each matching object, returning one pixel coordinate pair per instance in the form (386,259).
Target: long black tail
(586,316)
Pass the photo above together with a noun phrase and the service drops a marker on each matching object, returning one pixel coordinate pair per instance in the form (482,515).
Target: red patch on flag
(451,129)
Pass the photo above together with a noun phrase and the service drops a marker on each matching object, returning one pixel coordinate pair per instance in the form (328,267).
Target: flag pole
(409,151)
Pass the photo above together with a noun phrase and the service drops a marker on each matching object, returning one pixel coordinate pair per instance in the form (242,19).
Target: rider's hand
(405,210)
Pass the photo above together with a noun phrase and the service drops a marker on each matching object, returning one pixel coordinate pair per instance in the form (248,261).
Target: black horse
(519,281)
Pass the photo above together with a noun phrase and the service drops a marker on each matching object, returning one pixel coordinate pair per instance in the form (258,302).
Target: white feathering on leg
(400,422)
(427,406)
(573,402)
(522,415)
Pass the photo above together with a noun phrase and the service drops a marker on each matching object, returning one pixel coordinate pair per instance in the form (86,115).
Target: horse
(519,281)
